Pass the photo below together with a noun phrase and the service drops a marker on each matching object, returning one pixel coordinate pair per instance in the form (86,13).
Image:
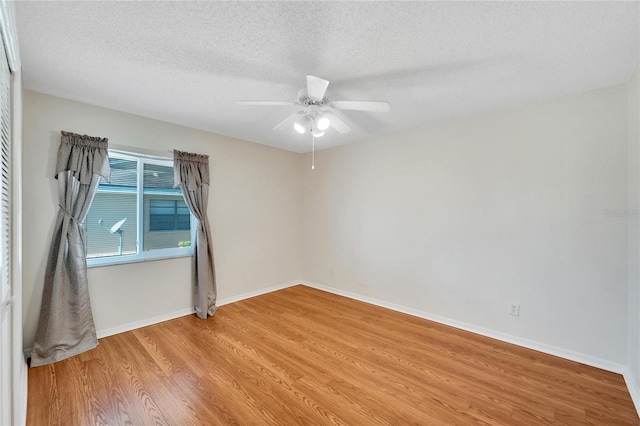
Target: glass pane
(183,222)
(124,173)
(164,225)
(111,222)
(183,210)
(162,210)
(161,222)
(163,204)
(158,178)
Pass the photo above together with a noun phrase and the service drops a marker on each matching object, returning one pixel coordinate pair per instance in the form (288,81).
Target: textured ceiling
(189,62)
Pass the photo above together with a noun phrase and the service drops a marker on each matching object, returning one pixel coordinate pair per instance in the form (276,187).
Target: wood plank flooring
(303,356)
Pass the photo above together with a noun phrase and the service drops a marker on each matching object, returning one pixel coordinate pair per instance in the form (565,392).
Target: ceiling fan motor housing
(304,99)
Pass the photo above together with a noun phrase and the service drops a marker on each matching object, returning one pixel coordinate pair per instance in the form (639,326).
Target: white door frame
(18,391)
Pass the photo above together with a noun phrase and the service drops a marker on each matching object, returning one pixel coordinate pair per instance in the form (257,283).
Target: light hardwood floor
(303,356)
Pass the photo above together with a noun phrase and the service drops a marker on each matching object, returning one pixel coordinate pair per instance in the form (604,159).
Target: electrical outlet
(514,310)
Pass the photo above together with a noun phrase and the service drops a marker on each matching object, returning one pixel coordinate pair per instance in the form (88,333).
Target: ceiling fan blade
(373,106)
(287,120)
(337,123)
(316,87)
(266,103)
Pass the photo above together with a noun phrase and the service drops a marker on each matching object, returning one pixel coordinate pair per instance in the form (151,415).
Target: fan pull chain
(313,152)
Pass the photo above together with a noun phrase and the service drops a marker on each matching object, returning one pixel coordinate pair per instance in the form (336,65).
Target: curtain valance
(190,169)
(83,155)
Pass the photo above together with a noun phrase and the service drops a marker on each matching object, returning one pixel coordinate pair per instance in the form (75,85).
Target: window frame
(141,255)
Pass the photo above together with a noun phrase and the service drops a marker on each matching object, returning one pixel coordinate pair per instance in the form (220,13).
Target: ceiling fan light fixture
(317,133)
(322,122)
(300,126)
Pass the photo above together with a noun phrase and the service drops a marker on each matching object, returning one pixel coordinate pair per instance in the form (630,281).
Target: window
(138,215)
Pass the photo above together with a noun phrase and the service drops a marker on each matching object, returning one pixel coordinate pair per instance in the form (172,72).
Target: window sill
(97,262)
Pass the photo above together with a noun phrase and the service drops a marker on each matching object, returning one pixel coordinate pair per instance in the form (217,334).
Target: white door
(6,316)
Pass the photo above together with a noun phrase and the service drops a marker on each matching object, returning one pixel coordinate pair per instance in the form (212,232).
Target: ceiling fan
(316,114)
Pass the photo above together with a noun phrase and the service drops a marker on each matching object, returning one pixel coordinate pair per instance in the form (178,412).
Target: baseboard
(634,389)
(249,295)
(143,323)
(508,338)
(183,312)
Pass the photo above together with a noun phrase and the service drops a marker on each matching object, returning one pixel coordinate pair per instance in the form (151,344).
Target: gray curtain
(191,174)
(66,324)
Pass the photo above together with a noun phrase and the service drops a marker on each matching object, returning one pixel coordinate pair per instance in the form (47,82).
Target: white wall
(254,211)
(460,219)
(634,232)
